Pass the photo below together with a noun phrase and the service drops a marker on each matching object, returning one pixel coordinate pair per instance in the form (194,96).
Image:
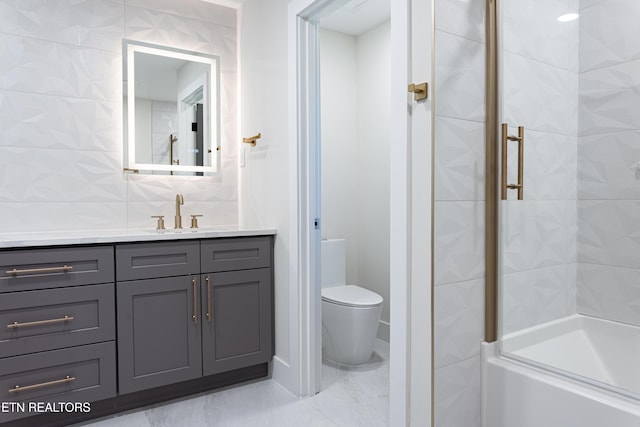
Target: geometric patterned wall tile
(43,121)
(213,214)
(195,9)
(41,175)
(460,73)
(535,234)
(609,292)
(90,23)
(538,96)
(458,321)
(151,188)
(61,216)
(549,168)
(459,241)
(457,394)
(61,111)
(41,66)
(609,33)
(608,232)
(459,159)
(183,33)
(464,18)
(532,297)
(609,99)
(534,32)
(609,166)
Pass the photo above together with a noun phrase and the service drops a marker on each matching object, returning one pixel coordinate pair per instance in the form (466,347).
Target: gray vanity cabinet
(159,337)
(236,327)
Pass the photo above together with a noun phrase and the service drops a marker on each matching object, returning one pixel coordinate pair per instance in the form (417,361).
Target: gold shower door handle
(505,139)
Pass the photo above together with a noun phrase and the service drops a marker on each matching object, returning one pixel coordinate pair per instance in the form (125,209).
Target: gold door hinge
(420,91)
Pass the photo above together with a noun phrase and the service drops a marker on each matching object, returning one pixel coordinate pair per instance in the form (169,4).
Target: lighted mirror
(171,110)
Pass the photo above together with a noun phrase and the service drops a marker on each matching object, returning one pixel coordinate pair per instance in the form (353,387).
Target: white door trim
(304,289)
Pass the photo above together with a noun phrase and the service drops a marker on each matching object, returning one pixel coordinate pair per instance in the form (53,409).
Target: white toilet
(350,314)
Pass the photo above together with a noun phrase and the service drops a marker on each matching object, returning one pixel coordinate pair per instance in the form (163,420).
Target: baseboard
(384,331)
(285,375)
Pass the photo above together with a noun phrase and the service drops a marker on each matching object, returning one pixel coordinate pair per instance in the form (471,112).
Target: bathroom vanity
(122,320)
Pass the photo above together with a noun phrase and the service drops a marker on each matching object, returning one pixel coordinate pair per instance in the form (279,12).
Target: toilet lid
(350,295)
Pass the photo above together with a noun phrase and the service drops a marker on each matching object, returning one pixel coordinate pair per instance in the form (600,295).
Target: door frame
(411,368)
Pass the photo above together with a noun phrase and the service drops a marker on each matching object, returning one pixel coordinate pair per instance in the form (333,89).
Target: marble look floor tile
(350,397)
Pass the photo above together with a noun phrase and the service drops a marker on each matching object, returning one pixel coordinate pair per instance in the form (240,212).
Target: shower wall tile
(90,23)
(538,34)
(609,292)
(610,99)
(549,168)
(609,33)
(457,394)
(538,96)
(609,232)
(532,297)
(458,241)
(609,166)
(29,120)
(459,321)
(460,77)
(459,159)
(464,18)
(40,66)
(535,234)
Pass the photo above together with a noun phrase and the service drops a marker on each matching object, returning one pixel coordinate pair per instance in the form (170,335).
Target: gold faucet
(179,201)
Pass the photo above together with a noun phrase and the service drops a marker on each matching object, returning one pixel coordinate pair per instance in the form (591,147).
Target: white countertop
(54,238)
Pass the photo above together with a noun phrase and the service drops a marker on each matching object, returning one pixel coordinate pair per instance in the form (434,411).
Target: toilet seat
(351,296)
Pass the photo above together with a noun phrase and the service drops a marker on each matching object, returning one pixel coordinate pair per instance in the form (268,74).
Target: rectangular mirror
(171,110)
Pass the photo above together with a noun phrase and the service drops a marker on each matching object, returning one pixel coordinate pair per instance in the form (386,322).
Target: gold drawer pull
(64,269)
(16,325)
(18,388)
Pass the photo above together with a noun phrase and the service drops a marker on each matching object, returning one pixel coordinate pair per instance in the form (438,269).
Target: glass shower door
(569,106)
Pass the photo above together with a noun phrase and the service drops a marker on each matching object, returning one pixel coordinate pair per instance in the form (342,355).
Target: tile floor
(349,398)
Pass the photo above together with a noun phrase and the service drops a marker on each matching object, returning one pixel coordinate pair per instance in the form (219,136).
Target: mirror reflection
(171,110)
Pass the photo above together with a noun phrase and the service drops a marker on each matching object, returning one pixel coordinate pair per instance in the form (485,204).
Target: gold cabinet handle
(18,388)
(16,325)
(208,280)
(505,139)
(195,300)
(64,269)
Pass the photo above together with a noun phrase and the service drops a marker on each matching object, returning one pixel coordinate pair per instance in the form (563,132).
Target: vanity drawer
(235,254)
(33,321)
(78,374)
(158,259)
(29,269)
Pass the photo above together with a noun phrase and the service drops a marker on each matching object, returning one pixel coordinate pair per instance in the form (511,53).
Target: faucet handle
(160,225)
(194,220)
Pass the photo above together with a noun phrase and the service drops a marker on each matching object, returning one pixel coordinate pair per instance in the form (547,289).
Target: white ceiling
(357,16)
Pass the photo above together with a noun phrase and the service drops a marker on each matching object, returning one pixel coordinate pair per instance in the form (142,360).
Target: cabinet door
(237,319)
(159,339)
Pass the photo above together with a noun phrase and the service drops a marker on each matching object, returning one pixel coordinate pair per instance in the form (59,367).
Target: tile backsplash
(61,114)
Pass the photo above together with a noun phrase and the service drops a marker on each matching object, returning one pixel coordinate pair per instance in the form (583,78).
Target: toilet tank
(333,269)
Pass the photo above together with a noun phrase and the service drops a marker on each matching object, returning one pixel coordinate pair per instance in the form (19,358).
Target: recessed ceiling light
(567,17)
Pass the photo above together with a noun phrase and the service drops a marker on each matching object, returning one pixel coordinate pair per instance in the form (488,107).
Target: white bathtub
(517,394)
